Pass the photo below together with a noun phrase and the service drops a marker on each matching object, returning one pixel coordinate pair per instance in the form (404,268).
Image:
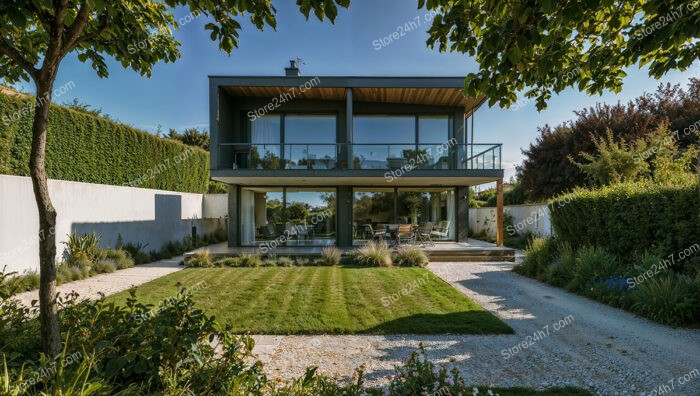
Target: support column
(344,216)
(462,213)
(499,212)
(233,216)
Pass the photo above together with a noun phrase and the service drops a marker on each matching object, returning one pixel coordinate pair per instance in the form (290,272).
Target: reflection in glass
(372,210)
(307,219)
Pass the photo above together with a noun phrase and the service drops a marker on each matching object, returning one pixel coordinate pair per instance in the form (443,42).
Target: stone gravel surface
(90,288)
(580,342)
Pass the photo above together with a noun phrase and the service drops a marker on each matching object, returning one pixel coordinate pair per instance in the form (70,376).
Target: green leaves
(534,43)
(130,31)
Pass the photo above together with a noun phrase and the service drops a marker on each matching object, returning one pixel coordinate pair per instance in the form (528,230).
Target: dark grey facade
(342,163)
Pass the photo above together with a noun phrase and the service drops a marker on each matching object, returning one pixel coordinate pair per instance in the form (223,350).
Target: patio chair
(268,231)
(404,234)
(423,234)
(442,230)
(372,233)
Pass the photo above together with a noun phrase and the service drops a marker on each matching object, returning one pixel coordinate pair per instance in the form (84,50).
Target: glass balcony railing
(359,156)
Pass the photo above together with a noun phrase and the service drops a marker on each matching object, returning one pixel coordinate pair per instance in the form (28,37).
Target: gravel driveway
(579,342)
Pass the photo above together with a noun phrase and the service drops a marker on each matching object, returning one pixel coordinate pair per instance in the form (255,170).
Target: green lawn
(336,300)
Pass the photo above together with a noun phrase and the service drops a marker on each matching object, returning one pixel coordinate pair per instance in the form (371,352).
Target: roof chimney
(292,70)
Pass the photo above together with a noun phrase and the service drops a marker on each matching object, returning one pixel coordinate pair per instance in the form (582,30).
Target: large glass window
(265,139)
(305,142)
(433,129)
(310,216)
(272,217)
(384,129)
(262,217)
(373,210)
(391,142)
(429,207)
(310,141)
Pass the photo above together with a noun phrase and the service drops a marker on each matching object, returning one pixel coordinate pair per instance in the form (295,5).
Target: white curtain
(451,213)
(265,130)
(247,217)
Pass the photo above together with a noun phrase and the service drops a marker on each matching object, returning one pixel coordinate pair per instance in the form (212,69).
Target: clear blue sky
(176,96)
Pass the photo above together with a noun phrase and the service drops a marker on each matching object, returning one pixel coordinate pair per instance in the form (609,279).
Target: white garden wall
(534,218)
(137,214)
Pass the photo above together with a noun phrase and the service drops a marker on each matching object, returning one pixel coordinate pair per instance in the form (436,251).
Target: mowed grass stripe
(333,300)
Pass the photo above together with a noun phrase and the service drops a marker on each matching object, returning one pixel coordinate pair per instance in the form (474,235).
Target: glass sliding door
(429,206)
(373,209)
(382,142)
(262,217)
(310,141)
(434,144)
(265,139)
(310,216)
(276,216)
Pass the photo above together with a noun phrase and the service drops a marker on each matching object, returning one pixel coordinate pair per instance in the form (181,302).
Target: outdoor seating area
(398,234)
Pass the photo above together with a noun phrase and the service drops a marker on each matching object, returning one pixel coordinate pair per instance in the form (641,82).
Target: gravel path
(112,283)
(598,347)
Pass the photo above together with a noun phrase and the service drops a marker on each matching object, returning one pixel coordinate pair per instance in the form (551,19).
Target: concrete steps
(471,255)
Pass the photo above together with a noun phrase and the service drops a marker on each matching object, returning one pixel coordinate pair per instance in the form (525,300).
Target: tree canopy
(36,30)
(546,170)
(541,47)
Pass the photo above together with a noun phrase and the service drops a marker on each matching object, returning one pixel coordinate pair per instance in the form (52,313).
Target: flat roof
(441,91)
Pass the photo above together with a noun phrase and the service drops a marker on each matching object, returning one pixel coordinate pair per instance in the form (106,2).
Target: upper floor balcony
(340,156)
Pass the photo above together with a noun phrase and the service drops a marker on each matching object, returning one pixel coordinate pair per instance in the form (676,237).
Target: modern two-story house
(315,161)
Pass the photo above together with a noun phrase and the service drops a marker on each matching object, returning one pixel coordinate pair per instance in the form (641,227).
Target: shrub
(285,261)
(229,262)
(136,250)
(562,269)
(120,257)
(269,262)
(201,259)
(592,263)
(539,253)
(624,217)
(330,255)
(104,266)
(667,298)
(79,247)
(13,284)
(304,261)
(250,260)
(80,143)
(373,254)
(410,256)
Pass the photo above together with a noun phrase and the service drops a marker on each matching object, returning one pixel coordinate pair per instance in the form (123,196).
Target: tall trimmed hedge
(631,217)
(85,148)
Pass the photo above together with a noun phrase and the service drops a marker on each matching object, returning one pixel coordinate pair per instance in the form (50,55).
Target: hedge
(627,218)
(85,148)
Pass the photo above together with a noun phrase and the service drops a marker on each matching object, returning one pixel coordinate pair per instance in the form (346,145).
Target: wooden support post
(499,212)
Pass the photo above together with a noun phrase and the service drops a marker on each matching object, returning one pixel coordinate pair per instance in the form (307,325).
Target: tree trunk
(50,330)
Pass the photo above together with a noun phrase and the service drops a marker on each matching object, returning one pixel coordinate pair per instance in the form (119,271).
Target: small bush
(250,260)
(229,262)
(269,262)
(120,257)
(304,261)
(373,254)
(104,266)
(285,261)
(330,255)
(593,263)
(669,298)
(539,254)
(80,247)
(562,269)
(19,283)
(410,256)
(201,259)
